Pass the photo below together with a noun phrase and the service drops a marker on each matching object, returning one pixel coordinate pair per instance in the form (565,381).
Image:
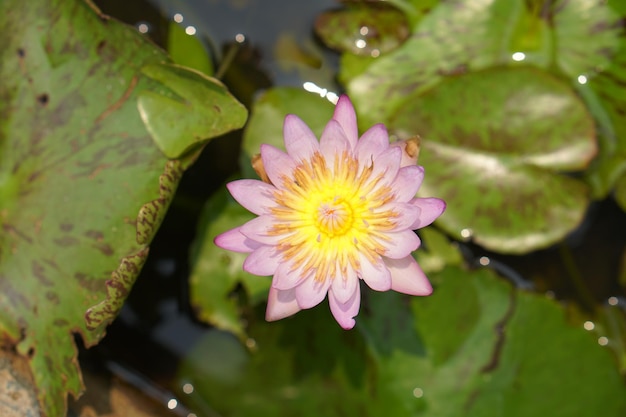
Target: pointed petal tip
(348,324)
(346,116)
(300,141)
(235,241)
(345,102)
(431,208)
(407,277)
(344,313)
(281,304)
(254,195)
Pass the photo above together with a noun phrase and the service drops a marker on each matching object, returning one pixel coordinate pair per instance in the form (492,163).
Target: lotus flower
(332,213)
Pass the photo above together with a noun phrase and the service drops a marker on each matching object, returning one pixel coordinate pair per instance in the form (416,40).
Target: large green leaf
(83,188)
(476,347)
(578,37)
(493,141)
(453,37)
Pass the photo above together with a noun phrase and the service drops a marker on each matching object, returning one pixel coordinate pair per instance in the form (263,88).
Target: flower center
(328,215)
(334,218)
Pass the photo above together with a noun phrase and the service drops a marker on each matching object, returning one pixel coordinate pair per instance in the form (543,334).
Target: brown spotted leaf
(83,188)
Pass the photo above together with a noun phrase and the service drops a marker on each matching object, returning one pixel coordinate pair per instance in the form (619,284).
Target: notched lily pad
(204,103)
(363,29)
(494,144)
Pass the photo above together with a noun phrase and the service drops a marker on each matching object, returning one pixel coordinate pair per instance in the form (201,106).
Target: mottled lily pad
(459,36)
(83,187)
(476,347)
(363,29)
(493,144)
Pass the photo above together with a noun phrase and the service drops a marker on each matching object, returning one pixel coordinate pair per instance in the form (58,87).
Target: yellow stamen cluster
(328,216)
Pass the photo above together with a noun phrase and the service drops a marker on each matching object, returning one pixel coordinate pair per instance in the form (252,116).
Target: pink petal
(375,274)
(407,182)
(407,214)
(311,292)
(430,207)
(286,277)
(264,261)
(343,287)
(407,277)
(345,115)
(300,141)
(373,142)
(333,142)
(400,244)
(236,241)
(344,313)
(281,304)
(255,196)
(387,164)
(276,163)
(260,229)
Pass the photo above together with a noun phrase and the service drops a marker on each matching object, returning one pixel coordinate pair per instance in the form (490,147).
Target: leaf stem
(228,60)
(576,278)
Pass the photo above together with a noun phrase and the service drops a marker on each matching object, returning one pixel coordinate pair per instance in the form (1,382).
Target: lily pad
(452,38)
(456,37)
(587,35)
(494,142)
(188,50)
(476,347)
(83,187)
(216,273)
(363,29)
